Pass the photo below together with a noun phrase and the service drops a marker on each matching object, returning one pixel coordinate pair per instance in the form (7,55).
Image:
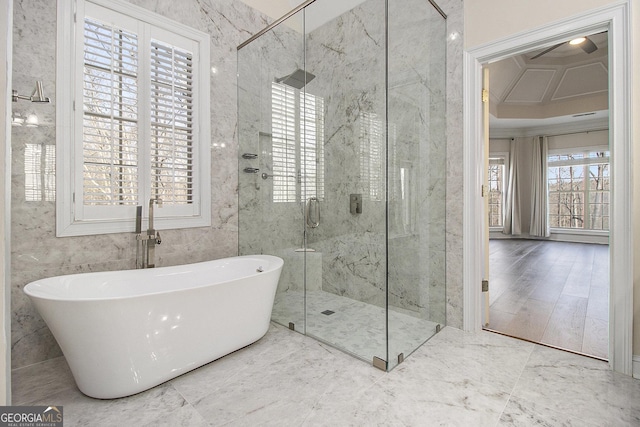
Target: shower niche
(346,118)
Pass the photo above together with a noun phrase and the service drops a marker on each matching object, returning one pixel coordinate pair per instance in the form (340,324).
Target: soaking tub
(123,332)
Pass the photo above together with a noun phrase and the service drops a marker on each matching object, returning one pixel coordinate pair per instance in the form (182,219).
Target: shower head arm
(36,96)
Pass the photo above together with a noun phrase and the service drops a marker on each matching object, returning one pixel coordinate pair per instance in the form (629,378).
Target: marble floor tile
(147,407)
(579,387)
(523,413)
(41,380)
(485,358)
(288,379)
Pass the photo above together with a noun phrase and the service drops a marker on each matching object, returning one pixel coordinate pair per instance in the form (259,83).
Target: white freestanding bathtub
(123,332)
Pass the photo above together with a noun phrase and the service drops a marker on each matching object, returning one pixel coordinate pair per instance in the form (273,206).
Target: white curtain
(512,223)
(539,203)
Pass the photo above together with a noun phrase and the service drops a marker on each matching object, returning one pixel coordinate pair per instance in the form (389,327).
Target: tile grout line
(524,366)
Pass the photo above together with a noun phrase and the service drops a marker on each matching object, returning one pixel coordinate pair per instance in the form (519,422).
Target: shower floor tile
(354,327)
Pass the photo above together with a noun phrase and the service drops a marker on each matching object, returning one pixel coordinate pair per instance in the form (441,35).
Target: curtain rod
(577,132)
(551,135)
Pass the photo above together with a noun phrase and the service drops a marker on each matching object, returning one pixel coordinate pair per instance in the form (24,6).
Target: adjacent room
(549,179)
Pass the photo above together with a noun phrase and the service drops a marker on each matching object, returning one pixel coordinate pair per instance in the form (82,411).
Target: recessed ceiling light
(577,40)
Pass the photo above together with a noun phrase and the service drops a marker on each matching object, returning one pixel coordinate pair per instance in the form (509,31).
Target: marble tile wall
(264,225)
(36,252)
(347,55)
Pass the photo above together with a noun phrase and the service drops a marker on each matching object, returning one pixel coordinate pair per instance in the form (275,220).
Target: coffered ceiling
(564,85)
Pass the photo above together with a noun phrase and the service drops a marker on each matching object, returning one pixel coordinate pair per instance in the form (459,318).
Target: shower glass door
(342,153)
(416,175)
(343,177)
(271,203)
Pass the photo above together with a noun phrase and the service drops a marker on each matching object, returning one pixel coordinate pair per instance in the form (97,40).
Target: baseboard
(555,237)
(636,366)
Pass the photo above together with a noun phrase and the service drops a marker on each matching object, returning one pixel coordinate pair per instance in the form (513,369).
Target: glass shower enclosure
(342,148)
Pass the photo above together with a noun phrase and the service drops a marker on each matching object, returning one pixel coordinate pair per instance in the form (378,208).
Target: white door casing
(615,19)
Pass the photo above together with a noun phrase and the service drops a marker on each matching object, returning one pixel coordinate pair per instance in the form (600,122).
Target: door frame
(615,19)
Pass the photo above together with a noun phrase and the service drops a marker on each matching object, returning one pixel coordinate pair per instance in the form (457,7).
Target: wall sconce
(36,96)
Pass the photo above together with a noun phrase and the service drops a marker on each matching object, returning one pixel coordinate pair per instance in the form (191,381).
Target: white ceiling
(318,13)
(566,86)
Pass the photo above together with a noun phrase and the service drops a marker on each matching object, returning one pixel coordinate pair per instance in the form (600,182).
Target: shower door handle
(312,212)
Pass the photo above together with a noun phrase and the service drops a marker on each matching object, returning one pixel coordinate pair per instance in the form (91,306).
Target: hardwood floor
(554,293)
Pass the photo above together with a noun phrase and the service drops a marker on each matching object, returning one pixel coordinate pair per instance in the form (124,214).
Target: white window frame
(505,182)
(581,150)
(71,218)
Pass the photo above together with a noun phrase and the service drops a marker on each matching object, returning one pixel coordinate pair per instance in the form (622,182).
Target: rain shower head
(298,79)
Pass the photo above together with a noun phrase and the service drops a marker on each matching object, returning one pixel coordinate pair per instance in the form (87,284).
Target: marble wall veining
(36,251)
(454,164)
(347,56)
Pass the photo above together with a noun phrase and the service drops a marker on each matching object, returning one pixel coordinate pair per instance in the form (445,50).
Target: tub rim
(31,293)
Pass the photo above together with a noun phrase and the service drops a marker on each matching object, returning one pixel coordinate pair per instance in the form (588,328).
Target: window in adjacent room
(497,187)
(579,185)
(135,125)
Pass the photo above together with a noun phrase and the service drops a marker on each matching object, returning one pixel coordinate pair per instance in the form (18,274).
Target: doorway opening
(615,20)
(549,192)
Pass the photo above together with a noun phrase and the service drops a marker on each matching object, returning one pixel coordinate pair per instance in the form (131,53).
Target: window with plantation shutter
(297,144)
(171,124)
(372,143)
(140,127)
(110,115)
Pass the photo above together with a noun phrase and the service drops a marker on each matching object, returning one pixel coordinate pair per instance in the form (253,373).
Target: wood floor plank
(530,322)
(566,325)
(596,337)
(598,307)
(499,320)
(578,281)
(551,292)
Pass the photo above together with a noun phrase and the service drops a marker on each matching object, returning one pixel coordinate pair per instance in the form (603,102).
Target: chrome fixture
(145,255)
(355,204)
(249,156)
(298,79)
(267,176)
(298,176)
(36,96)
(251,170)
(312,212)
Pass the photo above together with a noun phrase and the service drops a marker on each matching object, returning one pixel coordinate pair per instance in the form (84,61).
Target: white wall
(488,20)
(491,20)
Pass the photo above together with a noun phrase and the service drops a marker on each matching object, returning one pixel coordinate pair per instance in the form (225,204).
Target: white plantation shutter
(110,115)
(312,146)
(372,166)
(141,125)
(171,124)
(297,144)
(283,142)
